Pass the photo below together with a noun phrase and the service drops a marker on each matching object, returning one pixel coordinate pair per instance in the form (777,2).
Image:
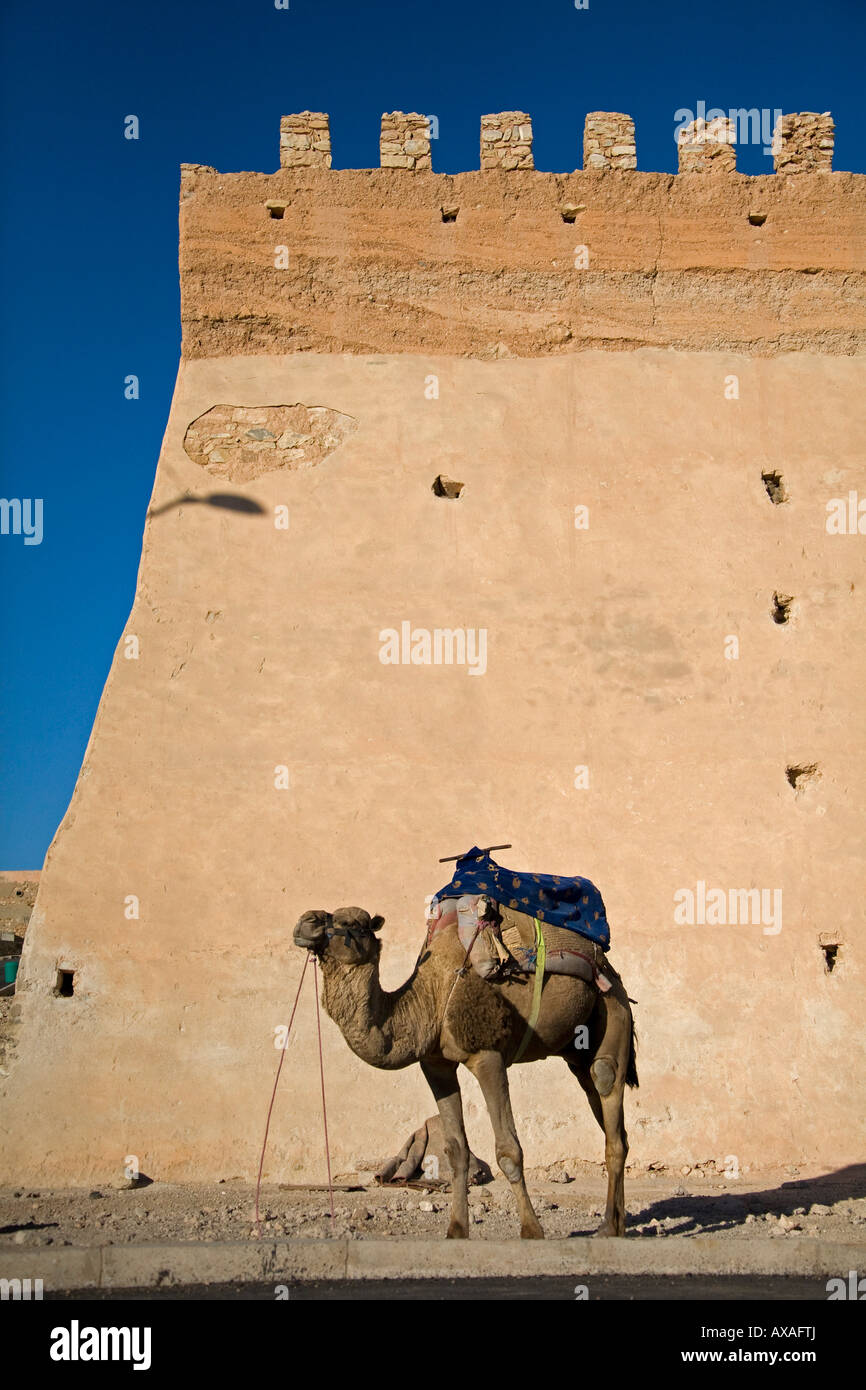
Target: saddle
(503,943)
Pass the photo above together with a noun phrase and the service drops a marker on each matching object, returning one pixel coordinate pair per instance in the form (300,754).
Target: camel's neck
(389,1030)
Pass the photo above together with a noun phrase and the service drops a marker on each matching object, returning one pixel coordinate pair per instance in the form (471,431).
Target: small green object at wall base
(10,970)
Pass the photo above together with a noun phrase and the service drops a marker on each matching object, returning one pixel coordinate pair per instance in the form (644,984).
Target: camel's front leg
(492,1076)
(442,1080)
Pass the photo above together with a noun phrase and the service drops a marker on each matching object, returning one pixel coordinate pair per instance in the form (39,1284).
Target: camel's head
(345,936)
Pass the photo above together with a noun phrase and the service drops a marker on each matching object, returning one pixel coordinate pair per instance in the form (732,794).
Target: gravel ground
(831,1207)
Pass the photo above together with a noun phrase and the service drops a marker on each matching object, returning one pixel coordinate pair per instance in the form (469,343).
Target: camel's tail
(631,1073)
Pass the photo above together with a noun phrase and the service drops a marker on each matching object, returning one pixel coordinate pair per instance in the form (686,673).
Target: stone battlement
(508,260)
(802,142)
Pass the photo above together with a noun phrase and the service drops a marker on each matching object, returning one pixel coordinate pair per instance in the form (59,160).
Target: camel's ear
(376,922)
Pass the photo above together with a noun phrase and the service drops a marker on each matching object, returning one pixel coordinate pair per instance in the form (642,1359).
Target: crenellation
(404,141)
(506,141)
(305,141)
(803,143)
(608,141)
(708,147)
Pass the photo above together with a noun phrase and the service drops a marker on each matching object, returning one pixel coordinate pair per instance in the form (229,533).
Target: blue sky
(88,239)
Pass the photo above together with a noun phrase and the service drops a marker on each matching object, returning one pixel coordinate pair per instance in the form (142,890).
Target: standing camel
(444,1015)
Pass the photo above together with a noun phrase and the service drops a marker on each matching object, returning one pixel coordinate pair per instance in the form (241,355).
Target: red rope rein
(284,1048)
(322,1074)
(274,1092)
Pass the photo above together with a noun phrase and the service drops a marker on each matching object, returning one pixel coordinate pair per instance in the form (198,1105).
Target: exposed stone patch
(404,141)
(803,143)
(506,141)
(305,141)
(608,141)
(241,442)
(708,147)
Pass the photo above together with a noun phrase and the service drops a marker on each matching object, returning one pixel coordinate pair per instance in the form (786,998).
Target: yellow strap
(540,960)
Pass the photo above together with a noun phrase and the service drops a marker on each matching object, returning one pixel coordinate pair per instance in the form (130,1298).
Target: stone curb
(149,1266)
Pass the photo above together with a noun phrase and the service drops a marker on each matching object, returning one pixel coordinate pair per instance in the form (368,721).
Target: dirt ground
(830,1207)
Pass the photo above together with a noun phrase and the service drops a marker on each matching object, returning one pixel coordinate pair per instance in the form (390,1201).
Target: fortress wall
(692,261)
(642,718)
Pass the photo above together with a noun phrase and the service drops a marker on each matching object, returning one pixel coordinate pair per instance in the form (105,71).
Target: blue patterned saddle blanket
(572,903)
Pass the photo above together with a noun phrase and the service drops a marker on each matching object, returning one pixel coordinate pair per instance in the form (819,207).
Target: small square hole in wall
(802,776)
(774,486)
(446,487)
(829,944)
(64,986)
(781,609)
(569,211)
(276,209)
(449,214)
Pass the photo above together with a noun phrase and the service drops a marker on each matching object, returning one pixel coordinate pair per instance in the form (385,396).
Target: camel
(445,1014)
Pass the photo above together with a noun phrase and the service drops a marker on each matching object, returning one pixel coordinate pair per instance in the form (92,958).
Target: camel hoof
(607,1228)
(457,1232)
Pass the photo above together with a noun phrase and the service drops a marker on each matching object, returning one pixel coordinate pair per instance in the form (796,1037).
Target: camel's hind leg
(604,1081)
(442,1080)
(489,1070)
(608,1111)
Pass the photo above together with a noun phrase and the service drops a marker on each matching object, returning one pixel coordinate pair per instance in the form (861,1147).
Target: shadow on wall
(227,500)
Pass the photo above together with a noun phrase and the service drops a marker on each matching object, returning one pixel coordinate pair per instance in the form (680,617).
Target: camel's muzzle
(316,944)
(311,931)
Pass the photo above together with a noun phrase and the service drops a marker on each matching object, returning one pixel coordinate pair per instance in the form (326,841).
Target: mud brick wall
(17,896)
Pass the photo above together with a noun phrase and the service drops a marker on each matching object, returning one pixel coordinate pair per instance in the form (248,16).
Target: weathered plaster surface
(258,647)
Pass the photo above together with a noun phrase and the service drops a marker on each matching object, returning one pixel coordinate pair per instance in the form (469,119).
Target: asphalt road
(598,1287)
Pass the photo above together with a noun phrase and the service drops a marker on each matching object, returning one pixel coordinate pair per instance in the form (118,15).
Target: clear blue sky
(89,238)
